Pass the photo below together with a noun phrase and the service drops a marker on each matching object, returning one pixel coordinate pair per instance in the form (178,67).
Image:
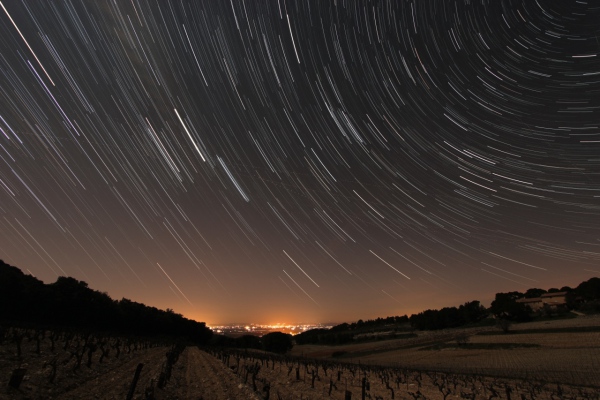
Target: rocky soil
(231,375)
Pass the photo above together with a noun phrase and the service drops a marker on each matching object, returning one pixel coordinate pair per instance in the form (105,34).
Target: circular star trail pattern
(248,160)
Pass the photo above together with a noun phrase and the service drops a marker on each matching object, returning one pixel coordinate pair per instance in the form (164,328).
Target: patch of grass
(480,346)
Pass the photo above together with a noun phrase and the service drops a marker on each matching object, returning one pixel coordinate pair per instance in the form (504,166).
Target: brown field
(429,366)
(195,375)
(564,357)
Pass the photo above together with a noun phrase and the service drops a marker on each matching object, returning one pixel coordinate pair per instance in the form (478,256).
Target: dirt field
(302,379)
(230,376)
(195,375)
(53,373)
(560,366)
(565,357)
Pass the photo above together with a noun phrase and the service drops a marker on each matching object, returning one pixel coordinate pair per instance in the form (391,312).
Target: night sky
(288,161)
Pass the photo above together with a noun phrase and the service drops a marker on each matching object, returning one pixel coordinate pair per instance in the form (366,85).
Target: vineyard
(564,351)
(44,364)
(296,378)
(572,358)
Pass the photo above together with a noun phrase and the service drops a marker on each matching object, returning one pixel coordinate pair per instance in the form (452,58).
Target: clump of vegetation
(277,342)
(70,303)
(449,317)
(462,338)
(504,324)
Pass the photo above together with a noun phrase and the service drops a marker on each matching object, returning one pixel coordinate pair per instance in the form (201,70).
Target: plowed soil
(227,375)
(196,375)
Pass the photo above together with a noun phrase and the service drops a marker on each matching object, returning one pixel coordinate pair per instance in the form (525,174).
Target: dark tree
(447,317)
(504,324)
(277,342)
(248,342)
(505,306)
(589,290)
(69,303)
(22,292)
(473,311)
(222,341)
(533,293)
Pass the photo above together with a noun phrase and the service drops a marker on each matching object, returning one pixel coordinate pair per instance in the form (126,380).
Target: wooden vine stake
(17,377)
(136,376)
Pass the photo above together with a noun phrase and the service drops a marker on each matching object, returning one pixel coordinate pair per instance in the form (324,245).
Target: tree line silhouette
(69,303)
(584,298)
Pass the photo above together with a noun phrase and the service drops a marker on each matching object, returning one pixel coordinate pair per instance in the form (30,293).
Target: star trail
(262,161)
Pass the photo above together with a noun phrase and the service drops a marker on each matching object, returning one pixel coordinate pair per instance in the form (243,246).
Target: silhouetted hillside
(69,303)
(584,298)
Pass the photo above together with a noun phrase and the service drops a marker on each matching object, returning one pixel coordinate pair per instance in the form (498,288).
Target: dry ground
(566,357)
(199,375)
(573,359)
(196,375)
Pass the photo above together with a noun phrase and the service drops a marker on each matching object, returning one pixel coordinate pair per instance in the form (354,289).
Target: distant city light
(263,329)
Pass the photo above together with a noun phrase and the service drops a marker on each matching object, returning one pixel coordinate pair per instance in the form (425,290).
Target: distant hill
(584,298)
(69,303)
